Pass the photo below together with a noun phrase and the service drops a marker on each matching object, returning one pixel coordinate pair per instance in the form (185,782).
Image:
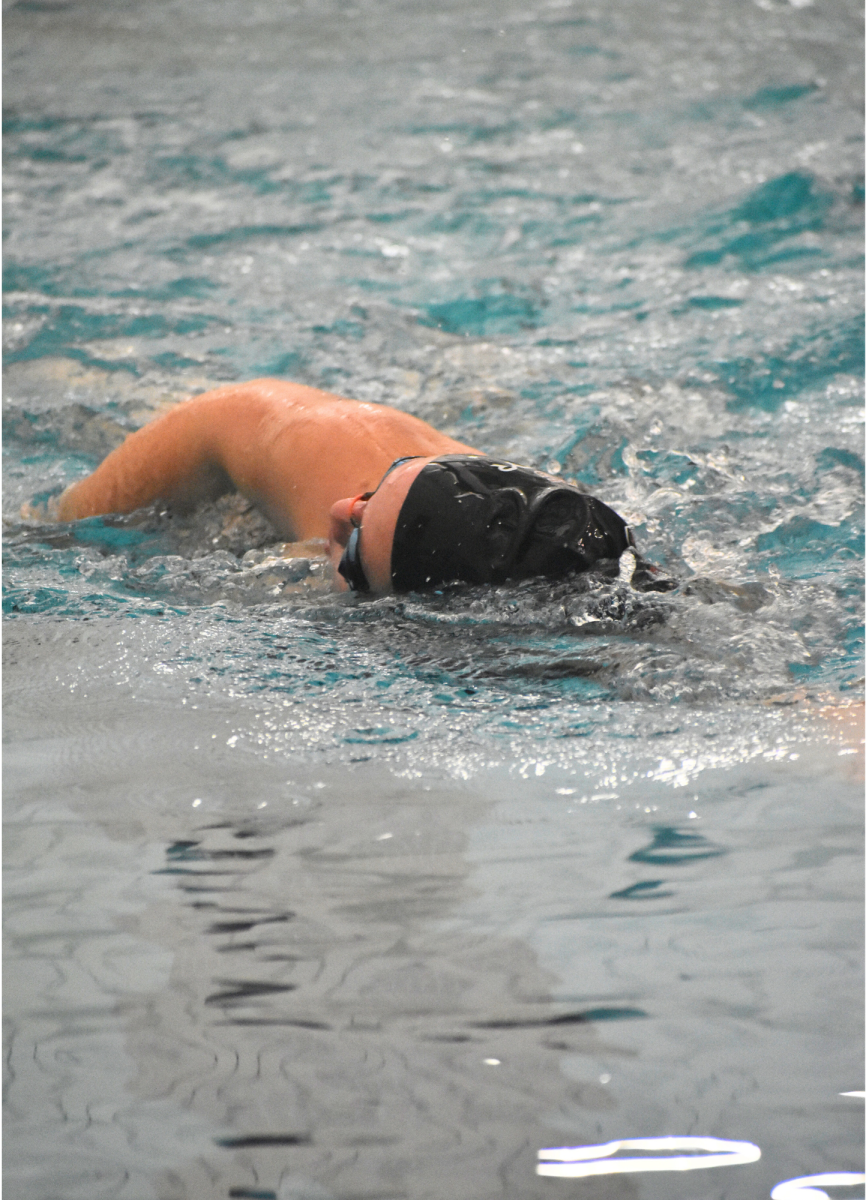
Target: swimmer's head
(469,518)
(484,520)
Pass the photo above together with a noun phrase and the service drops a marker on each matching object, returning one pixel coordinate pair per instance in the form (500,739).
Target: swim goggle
(350,564)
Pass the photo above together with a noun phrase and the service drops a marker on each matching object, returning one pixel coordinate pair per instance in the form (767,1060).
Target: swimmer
(400,505)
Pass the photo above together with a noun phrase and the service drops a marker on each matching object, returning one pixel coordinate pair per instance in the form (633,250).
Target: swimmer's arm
(291,450)
(170,459)
(192,454)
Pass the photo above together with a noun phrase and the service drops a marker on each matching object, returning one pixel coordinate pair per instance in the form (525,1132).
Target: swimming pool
(315,897)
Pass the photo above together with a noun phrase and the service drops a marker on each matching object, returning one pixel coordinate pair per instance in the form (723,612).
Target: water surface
(312,897)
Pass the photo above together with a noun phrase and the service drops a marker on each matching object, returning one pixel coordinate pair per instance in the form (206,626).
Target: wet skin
(303,456)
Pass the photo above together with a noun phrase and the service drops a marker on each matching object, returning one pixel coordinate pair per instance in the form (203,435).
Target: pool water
(309,897)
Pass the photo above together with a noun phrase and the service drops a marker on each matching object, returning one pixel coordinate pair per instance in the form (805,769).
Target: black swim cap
(482,520)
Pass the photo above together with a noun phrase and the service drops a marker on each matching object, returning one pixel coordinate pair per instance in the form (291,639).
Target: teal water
(603,837)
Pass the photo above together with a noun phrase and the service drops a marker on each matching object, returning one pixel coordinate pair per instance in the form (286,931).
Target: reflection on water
(810,1187)
(578,1162)
(310,898)
(345,979)
(339,1034)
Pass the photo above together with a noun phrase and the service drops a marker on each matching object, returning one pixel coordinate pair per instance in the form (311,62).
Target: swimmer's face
(374,515)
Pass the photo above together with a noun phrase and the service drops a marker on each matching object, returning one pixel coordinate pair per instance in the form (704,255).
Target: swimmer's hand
(44,510)
(642,575)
